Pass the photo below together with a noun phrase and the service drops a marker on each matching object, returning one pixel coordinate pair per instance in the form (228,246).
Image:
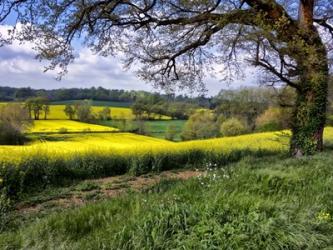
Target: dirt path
(99,189)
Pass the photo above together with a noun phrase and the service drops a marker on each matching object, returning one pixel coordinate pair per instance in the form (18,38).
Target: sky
(19,68)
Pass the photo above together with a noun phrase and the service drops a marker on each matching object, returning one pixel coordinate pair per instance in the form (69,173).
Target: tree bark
(309,114)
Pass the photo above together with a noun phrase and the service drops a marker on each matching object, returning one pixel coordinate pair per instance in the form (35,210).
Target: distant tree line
(152,107)
(93,93)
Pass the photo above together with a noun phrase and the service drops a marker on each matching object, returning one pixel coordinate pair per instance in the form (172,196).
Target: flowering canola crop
(49,126)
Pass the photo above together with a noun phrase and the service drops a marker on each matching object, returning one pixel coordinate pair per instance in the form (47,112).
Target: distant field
(50,126)
(117,112)
(57,112)
(159,128)
(97,103)
(61,144)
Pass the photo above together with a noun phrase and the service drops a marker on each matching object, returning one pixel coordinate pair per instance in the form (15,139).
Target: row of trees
(83,112)
(148,107)
(37,106)
(93,93)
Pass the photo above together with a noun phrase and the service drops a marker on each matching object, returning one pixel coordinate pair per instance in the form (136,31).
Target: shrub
(14,120)
(83,111)
(201,125)
(63,130)
(171,132)
(273,119)
(232,127)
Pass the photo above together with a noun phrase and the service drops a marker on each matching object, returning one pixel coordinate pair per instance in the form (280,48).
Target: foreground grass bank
(267,203)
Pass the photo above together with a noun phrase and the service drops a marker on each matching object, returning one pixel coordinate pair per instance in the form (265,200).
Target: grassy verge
(267,203)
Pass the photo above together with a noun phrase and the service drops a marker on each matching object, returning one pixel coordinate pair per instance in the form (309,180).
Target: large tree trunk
(310,110)
(309,115)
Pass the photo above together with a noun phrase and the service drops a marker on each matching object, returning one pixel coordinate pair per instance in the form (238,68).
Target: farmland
(117,112)
(57,112)
(156,128)
(72,170)
(105,154)
(49,126)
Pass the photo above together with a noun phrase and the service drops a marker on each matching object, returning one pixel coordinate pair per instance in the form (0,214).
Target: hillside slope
(267,203)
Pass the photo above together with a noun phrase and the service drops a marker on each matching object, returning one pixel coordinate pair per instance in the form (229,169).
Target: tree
(171,132)
(138,109)
(232,127)
(244,103)
(105,114)
(14,120)
(36,105)
(46,110)
(177,41)
(69,111)
(201,125)
(83,111)
(274,119)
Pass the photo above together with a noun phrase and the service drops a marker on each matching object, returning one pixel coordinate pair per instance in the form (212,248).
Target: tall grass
(268,203)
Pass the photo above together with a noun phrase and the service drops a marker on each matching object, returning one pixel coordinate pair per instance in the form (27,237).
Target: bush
(232,127)
(63,130)
(83,111)
(14,120)
(273,119)
(201,125)
(171,132)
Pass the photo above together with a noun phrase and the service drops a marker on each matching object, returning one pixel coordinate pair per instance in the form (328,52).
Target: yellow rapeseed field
(126,143)
(93,155)
(49,126)
(57,113)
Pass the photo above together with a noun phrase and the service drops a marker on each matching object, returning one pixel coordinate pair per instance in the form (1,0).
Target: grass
(266,203)
(49,126)
(155,128)
(158,128)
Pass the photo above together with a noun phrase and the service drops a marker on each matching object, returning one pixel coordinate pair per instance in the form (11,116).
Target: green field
(154,128)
